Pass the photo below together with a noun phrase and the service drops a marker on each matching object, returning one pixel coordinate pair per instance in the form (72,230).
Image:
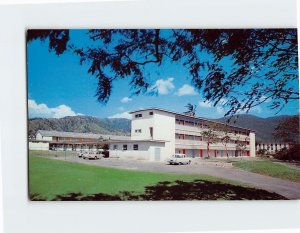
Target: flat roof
(53,133)
(193,117)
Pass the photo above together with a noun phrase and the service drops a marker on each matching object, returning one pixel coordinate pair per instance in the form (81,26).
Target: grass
(59,180)
(270,168)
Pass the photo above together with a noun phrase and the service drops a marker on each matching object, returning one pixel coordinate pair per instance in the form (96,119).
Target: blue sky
(59,86)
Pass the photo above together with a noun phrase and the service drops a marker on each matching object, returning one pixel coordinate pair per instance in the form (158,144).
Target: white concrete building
(156,134)
(271,147)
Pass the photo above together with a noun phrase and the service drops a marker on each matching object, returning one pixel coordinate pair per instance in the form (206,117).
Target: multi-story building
(157,134)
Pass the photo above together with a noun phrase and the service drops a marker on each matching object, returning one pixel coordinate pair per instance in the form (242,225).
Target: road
(288,189)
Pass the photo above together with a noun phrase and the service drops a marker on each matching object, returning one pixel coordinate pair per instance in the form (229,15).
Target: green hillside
(80,124)
(263,127)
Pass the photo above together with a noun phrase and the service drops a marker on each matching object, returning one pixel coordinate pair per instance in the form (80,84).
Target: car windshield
(177,156)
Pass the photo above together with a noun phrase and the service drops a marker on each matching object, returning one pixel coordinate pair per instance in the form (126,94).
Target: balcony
(190,129)
(193,144)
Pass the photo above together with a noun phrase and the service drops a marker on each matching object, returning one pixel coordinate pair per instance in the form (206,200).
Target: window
(135,147)
(138,130)
(115,147)
(124,147)
(138,115)
(150,113)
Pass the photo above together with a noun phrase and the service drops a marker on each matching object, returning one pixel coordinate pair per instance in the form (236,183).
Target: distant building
(271,147)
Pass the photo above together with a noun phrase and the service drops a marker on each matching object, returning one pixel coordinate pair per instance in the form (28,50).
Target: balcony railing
(196,131)
(193,144)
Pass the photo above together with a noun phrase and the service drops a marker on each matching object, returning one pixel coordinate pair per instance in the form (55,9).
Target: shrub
(293,153)
(261,152)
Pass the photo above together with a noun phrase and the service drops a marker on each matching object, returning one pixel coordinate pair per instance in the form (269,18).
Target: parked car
(178,159)
(91,155)
(81,153)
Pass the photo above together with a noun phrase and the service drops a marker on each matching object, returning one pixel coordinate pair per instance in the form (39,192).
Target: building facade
(69,141)
(271,147)
(181,133)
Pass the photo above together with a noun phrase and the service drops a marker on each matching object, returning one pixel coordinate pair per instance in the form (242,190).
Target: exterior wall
(189,140)
(164,129)
(38,146)
(142,123)
(39,137)
(163,126)
(146,150)
(252,144)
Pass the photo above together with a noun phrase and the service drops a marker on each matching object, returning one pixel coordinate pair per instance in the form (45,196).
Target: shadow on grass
(178,190)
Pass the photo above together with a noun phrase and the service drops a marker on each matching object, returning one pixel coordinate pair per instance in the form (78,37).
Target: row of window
(200,138)
(203,125)
(139,115)
(125,147)
(272,146)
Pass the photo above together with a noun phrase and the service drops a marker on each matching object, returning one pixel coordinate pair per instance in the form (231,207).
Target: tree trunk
(208,152)
(226,151)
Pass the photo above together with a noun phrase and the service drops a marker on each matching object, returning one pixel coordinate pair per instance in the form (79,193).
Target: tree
(211,135)
(226,138)
(288,130)
(241,68)
(241,146)
(191,109)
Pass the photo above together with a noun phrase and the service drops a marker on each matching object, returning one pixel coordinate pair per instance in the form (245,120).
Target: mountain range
(263,127)
(80,124)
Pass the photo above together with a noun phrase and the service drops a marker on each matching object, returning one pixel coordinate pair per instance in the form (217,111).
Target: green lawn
(270,168)
(49,178)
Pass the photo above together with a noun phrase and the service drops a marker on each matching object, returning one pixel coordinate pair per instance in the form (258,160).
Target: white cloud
(42,110)
(186,90)
(126,99)
(205,104)
(163,87)
(126,115)
(220,109)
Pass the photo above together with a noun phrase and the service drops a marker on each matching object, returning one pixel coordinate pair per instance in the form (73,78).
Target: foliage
(291,153)
(269,168)
(191,109)
(225,139)
(288,130)
(241,146)
(211,135)
(261,152)
(105,147)
(240,67)
(58,39)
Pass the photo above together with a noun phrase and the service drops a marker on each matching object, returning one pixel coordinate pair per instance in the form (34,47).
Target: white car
(178,159)
(91,155)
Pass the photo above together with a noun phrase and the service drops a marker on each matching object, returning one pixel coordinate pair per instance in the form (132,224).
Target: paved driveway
(290,190)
